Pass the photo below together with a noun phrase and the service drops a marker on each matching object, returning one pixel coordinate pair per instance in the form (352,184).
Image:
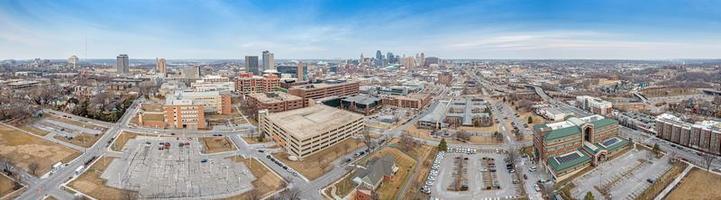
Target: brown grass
(698,184)
(415,184)
(265,183)
(120,141)
(22,149)
(7,185)
(83,140)
(661,183)
(343,187)
(252,140)
(389,189)
(216,144)
(76,123)
(317,164)
(34,130)
(91,184)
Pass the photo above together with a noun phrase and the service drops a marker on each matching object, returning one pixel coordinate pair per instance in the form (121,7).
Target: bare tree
(128,195)
(253,195)
(292,194)
(33,167)
(708,160)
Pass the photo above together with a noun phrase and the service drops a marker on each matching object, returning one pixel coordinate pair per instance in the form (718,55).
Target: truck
(79,170)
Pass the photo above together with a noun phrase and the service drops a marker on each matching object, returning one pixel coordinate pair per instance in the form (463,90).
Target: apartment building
(704,136)
(274,101)
(415,100)
(183,114)
(207,86)
(567,147)
(212,101)
(248,83)
(317,91)
(305,131)
(594,105)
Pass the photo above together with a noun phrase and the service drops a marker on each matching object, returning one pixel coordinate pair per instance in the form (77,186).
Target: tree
(443,146)
(589,196)
(530,120)
(708,160)
(33,167)
(656,149)
(254,195)
(499,136)
(292,194)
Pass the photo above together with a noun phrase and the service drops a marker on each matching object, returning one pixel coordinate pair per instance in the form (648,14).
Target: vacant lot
(698,184)
(7,185)
(91,184)
(415,184)
(123,138)
(317,164)
(83,140)
(34,130)
(22,149)
(253,140)
(265,183)
(389,189)
(76,123)
(216,144)
(661,183)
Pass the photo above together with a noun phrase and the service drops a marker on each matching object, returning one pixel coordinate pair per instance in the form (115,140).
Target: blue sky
(611,29)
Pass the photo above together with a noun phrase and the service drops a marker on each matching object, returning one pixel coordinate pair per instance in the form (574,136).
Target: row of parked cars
(285,167)
(462,150)
(434,172)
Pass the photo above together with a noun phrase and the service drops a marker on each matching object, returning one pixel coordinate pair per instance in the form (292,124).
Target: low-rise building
(184,114)
(594,105)
(415,100)
(248,83)
(305,131)
(318,91)
(360,104)
(212,101)
(567,147)
(465,111)
(375,172)
(274,101)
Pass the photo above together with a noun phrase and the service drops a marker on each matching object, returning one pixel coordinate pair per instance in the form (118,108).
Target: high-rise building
(379,58)
(192,72)
(122,64)
(300,71)
(251,65)
(249,83)
(73,61)
(408,62)
(268,61)
(390,58)
(160,66)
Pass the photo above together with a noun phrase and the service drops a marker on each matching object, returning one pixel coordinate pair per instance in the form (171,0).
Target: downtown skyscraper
(122,64)
(251,65)
(268,61)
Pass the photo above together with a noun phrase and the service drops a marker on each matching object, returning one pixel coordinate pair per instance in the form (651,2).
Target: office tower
(408,62)
(73,61)
(300,71)
(122,63)
(379,58)
(192,72)
(160,66)
(423,60)
(251,65)
(389,58)
(268,61)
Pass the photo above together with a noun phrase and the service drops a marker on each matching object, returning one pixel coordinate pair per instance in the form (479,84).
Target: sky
(457,29)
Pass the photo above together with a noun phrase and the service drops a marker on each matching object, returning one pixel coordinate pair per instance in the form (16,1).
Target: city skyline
(343,29)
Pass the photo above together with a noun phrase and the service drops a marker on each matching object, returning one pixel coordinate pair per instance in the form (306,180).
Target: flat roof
(310,121)
(320,85)
(362,99)
(274,97)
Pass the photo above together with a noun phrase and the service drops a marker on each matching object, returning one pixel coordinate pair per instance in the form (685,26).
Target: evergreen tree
(443,146)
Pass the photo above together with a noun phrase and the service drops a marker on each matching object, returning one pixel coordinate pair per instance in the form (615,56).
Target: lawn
(120,141)
(34,130)
(252,140)
(7,185)
(22,149)
(344,186)
(318,163)
(83,140)
(91,184)
(698,184)
(266,181)
(390,189)
(216,144)
(415,184)
(536,119)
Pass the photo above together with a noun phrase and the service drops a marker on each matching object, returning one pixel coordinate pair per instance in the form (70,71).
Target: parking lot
(622,178)
(157,170)
(472,174)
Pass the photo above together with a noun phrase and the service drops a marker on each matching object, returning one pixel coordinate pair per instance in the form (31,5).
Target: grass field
(265,183)
(34,130)
(698,184)
(123,138)
(7,185)
(91,184)
(83,140)
(415,184)
(252,140)
(216,144)
(22,149)
(76,123)
(318,164)
(389,189)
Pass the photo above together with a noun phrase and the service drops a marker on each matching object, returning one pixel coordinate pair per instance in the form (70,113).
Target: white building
(594,104)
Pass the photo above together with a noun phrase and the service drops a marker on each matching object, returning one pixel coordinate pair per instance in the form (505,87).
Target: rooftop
(274,97)
(319,85)
(306,122)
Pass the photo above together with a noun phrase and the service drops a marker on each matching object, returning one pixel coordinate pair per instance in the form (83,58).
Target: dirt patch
(22,149)
(318,164)
(216,144)
(91,184)
(83,140)
(7,185)
(123,138)
(698,184)
(265,183)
